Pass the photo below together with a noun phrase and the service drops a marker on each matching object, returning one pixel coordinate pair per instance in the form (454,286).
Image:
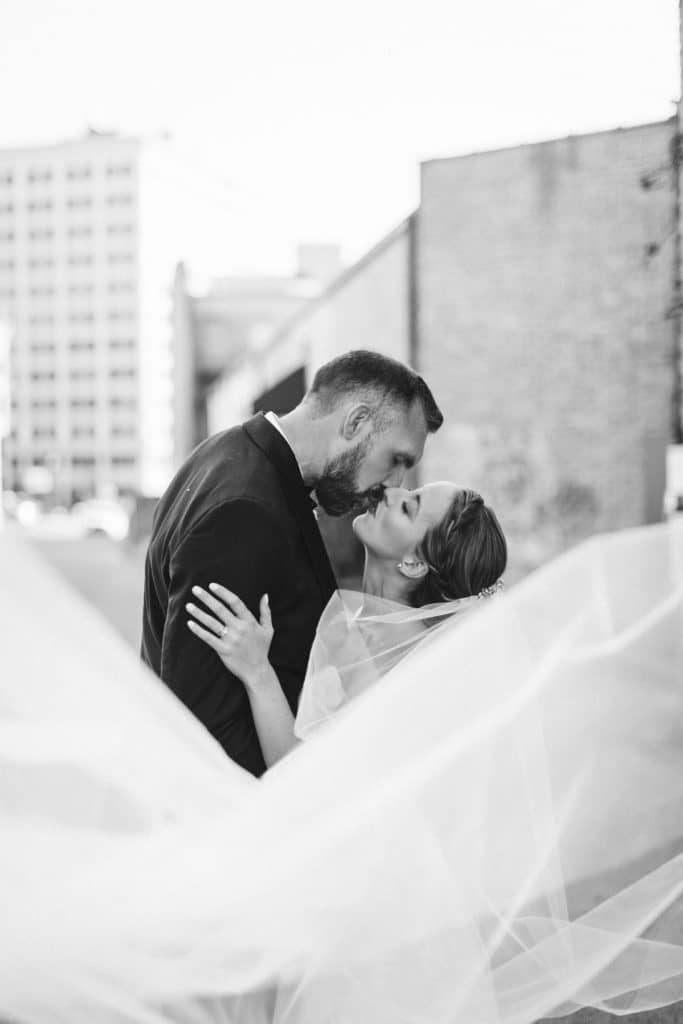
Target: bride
(434,548)
(491,835)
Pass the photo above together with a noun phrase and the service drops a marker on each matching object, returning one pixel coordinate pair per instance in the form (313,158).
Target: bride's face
(398,524)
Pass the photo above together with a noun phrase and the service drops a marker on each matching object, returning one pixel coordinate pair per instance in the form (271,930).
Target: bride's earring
(412,569)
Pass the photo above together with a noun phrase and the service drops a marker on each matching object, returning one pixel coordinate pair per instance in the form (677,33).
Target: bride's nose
(394,494)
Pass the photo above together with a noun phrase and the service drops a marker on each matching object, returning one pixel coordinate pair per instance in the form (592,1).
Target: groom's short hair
(376,377)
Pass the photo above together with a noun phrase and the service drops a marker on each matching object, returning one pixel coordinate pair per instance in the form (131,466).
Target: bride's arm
(273,717)
(242,644)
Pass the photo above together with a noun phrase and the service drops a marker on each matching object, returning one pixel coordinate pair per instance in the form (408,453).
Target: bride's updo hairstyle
(465,554)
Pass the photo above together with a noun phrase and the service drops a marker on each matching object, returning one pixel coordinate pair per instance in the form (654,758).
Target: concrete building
(5,400)
(235,318)
(90,232)
(367,306)
(533,289)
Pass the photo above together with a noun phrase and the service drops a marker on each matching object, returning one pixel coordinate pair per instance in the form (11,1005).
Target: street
(108,574)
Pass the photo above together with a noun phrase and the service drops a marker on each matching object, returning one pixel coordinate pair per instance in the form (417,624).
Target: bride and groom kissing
(237,576)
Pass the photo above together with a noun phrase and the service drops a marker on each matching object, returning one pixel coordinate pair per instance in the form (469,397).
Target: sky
(306,120)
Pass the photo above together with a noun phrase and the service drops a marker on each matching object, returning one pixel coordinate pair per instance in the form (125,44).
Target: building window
(121,344)
(123,430)
(41,234)
(6,264)
(81,289)
(39,174)
(43,347)
(118,315)
(41,320)
(44,433)
(43,404)
(82,431)
(81,318)
(6,236)
(41,292)
(82,403)
(120,229)
(122,373)
(80,461)
(81,345)
(119,170)
(120,257)
(80,231)
(121,461)
(43,375)
(37,205)
(41,264)
(79,202)
(6,178)
(80,259)
(81,373)
(122,199)
(79,173)
(118,402)
(6,207)
(121,287)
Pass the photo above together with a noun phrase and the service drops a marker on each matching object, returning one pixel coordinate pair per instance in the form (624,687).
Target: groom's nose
(395,478)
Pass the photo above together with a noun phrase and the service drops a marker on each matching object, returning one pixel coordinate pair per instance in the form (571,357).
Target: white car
(100,516)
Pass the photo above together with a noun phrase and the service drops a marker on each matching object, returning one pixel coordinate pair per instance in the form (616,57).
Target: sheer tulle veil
(491,833)
(359,639)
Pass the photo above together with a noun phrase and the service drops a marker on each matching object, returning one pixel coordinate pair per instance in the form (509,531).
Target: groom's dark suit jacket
(236,513)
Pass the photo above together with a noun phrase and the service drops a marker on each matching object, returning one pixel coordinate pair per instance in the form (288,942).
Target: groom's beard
(336,489)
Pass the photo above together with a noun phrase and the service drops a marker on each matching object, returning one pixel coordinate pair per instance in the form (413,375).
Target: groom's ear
(355,419)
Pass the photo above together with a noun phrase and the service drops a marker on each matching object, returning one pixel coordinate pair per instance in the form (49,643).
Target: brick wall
(544,277)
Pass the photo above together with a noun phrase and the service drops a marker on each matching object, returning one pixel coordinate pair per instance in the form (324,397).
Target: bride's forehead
(435,486)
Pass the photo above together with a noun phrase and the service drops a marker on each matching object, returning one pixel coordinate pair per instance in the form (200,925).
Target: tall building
(89,237)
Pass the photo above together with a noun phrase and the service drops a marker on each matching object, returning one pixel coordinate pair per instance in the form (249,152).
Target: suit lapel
(275,448)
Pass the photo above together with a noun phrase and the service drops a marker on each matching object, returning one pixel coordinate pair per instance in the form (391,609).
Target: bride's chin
(360,525)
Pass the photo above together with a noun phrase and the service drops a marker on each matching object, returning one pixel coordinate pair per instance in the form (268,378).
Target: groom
(239,513)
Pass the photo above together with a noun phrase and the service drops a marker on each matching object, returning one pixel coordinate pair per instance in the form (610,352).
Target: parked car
(97,515)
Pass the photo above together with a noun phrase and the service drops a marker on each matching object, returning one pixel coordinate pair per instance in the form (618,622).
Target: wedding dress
(490,834)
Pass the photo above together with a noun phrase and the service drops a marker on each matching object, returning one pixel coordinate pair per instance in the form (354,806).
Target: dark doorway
(284,396)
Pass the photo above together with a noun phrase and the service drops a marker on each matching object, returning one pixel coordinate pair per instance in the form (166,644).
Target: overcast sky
(308,119)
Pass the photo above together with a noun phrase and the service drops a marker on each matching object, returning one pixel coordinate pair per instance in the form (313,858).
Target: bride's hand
(240,641)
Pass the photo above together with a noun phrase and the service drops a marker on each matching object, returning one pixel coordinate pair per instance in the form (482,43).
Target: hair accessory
(495,588)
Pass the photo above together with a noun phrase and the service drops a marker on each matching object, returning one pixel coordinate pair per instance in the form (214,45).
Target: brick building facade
(545,278)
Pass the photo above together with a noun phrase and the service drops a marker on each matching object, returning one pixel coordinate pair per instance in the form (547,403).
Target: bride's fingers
(215,625)
(266,619)
(217,607)
(210,638)
(237,606)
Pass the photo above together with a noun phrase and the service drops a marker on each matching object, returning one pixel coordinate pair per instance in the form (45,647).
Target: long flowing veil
(493,833)
(359,639)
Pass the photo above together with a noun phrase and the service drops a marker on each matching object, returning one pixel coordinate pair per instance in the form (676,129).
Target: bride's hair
(465,553)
